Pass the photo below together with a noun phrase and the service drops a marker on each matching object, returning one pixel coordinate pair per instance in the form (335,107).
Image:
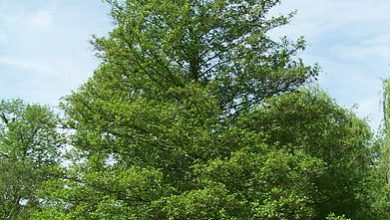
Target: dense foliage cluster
(195,112)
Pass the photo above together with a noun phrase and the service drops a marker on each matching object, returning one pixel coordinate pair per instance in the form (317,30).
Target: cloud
(47,43)
(3,38)
(44,48)
(351,41)
(370,108)
(362,53)
(31,67)
(41,19)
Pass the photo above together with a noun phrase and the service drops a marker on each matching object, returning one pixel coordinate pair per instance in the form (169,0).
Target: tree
(29,148)
(332,216)
(170,126)
(159,46)
(310,121)
(379,190)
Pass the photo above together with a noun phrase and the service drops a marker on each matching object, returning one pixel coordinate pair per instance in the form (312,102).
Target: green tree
(379,194)
(171,124)
(29,148)
(310,121)
(332,216)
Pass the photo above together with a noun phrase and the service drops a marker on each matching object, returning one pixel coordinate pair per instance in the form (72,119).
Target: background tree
(29,148)
(310,121)
(378,185)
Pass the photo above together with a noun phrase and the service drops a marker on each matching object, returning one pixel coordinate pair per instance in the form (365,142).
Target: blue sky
(44,46)
(45,53)
(350,39)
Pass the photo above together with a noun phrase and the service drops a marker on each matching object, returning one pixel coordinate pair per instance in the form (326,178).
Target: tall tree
(171,124)
(379,185)
(159,46)
(29,148)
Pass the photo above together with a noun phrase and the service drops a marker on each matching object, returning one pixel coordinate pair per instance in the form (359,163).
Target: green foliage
(196,113)
(311,122)
(211,202)
(29,147)
(197,166)
(124,194)
(273,184)
(158,46)
(378,184)
(332,216)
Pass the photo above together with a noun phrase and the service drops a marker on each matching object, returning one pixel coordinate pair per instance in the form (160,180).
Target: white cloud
(29,66)
(41,19)
(351,41)
(370,108)
(3,38)
(361,53)
(42,57)
(317,17)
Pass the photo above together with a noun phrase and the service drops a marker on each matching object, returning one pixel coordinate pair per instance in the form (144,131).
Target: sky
(45,51)
(44,46)
(350,40)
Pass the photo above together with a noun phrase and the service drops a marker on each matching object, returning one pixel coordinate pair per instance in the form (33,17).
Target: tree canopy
(194,112)
(29,155)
